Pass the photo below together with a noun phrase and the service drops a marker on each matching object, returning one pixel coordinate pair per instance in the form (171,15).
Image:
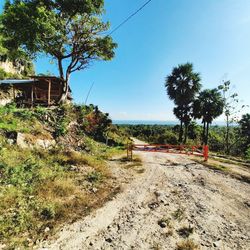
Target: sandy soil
(157,209)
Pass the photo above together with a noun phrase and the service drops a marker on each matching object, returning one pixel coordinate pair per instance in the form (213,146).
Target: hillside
(53,168)
(66,184)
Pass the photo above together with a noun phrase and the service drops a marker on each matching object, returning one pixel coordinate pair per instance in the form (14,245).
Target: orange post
(205,152)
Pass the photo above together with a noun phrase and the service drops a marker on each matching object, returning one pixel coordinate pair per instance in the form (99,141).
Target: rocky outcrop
(30,141)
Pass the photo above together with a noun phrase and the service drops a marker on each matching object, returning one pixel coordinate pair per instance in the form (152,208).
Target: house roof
(17,81)
(33,79)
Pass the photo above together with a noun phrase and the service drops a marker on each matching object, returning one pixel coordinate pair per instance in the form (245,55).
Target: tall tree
(182,86)
(71,32)
(232,109)
(207,107)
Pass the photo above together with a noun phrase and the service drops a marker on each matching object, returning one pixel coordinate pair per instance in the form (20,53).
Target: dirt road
(174,199)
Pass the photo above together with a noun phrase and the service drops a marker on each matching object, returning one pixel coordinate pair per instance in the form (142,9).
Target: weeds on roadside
(185,231)
(94,177)
(38,190)
(164,222)
(187,245)
(179,214)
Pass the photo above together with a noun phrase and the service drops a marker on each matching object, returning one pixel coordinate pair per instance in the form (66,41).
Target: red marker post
(205,152)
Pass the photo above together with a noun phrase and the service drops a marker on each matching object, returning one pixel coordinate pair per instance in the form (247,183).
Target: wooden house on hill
(39,90)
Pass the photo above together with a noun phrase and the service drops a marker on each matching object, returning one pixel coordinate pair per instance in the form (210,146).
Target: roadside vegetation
(167,134)
(41,188)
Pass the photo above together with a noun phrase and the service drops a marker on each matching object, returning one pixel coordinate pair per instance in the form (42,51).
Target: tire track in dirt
(212,204)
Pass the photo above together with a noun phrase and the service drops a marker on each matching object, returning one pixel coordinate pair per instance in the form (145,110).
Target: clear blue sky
(212,34)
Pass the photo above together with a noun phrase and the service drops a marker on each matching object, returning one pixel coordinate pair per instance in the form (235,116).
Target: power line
(88,93)
(127,19)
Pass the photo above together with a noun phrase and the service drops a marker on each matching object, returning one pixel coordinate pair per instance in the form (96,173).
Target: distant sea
(156,122)
(144,122)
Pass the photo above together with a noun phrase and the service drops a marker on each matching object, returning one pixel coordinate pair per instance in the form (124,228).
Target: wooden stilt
(49,91)
(32,95)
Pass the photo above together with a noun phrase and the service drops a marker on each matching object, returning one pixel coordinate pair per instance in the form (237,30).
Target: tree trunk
(185,133)
(64,94)
(207,130)
(65,84)
(203,132)
(227,136)
(181,132)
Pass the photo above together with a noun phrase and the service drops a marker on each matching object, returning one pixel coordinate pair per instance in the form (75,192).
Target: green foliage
(19,59)
(63,119)
(169,137)
(248,153)
(231,112)
(165,134)
(182,86)
(13,119)
(36,190)
(207,107)
(216,140)
(94,122)
(245,131)
(94,177)
(71,32)
(6,75)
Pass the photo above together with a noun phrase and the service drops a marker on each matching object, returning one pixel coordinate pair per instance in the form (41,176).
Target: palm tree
(207,107)
(182,85)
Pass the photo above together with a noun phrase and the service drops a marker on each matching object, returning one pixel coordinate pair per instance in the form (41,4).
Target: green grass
(42,189)
(38,190)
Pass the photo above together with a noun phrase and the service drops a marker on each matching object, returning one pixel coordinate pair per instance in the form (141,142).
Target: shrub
(94,177)
(187,245)
(248,153)
(168,138)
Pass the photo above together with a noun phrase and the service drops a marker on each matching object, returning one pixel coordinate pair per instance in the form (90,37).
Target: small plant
(187,245)
(248,154)
(179,214)
(94,177)
(185,232)
(164,222)
(48,212)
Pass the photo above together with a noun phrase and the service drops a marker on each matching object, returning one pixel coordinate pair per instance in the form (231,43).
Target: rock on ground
(193,202)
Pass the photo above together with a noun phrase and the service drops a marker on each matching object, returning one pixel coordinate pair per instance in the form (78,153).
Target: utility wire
(88,93)
(127,19)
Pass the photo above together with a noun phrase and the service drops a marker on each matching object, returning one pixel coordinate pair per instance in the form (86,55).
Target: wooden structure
(39,90)
(202,151)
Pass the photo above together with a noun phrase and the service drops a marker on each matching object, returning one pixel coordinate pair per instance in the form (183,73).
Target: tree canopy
(71,32)
(207,107)
(182,86)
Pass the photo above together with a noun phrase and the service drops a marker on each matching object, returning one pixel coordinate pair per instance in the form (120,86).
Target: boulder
(30,141)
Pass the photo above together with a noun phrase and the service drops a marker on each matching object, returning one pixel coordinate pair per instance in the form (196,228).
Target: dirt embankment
(173,200)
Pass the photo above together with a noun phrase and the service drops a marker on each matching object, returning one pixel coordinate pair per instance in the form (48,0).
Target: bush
(168,138)
(94,177)
(248,154)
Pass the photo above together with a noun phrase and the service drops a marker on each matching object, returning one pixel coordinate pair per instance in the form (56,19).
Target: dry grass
(38,189)
(187,245)
(223,169)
